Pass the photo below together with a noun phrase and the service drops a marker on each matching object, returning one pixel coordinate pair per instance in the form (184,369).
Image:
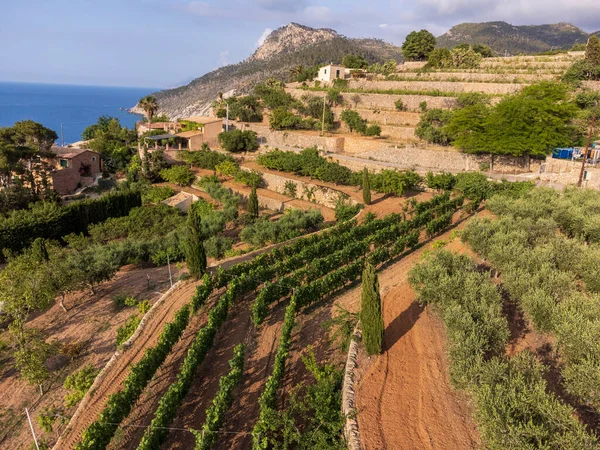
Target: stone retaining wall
(396,132)
(284,139)
(322,195)
(383,117)
(351,432)
(444,86)
(384,101)
(566,172)
(480,77)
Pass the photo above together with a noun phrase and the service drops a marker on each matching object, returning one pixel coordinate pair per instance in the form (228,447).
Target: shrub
(373,130)
(156,194)
(399,104)
(440,181)
(236,141)
(180,175)
(423,106)
(293,223)
(205,158)
(217,246)
(125,331)
(78,384)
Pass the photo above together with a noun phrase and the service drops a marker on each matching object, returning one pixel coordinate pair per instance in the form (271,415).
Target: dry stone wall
(384,101)
(383,117)
(566,172)
(444,86)
(479,77)
(322,195)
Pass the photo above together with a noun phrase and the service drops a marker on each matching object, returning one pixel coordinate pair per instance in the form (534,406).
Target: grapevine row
(310,293)
(205,439)
(98,435)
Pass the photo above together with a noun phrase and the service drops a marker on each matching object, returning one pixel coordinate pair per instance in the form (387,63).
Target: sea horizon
(75,106)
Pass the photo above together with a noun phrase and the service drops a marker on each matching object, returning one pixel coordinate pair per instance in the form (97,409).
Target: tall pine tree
(253,203)
(366,187)
(370,314)
(195,255)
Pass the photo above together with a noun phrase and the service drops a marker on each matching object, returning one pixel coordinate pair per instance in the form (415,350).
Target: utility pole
(62,136)
(32,430)
(323,120)
(170,276)
(587,147)
(227,118)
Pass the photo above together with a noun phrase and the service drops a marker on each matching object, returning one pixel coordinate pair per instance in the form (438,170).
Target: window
(325,72)
(63,163)
(93,158)
(337,73)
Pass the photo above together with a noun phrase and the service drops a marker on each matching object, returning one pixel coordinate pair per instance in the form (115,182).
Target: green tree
(39,250)
(180,175)
(195,255)
(354,62)
(592,51)
(354,121)
(253,203)
(483,50)
(150,106)
(239,141)
(30,360)
(366,187)
(418,45)
(370,314)
(440,58)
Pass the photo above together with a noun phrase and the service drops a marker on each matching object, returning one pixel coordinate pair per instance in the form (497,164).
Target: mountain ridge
(503,37)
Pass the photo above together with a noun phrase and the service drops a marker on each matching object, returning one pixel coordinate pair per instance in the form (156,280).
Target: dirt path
(119,371)
(404,398)
(244,411)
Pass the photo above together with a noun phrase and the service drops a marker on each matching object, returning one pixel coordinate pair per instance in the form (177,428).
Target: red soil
(90,319)
(404,397)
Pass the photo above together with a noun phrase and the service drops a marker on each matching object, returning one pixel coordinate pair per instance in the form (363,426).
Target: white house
(331,72)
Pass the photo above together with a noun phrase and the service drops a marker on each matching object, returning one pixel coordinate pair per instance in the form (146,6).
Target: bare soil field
(91,320)
(404,397)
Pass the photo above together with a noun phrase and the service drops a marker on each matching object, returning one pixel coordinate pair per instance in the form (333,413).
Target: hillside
(503,37)
(283,49)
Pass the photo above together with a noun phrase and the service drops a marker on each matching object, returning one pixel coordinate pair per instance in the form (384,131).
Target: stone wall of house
(384,101)
(65,181)
(444,86)
(322,195)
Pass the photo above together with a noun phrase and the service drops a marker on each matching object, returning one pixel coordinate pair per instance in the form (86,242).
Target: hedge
(50,221)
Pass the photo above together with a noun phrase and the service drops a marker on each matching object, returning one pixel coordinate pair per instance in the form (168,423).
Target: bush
(373,130)
(78,383)
(217,246)
(156,194)
(441,181)
(125,331)
(205,158)
(399,104)
(293,223)
(180,175)
(236,141)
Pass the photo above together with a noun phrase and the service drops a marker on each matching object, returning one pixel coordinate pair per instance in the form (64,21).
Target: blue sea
(75,107)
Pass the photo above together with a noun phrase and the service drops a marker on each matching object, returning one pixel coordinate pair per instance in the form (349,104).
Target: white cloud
(263,36)
(224,58)
(318,13)
(383,25)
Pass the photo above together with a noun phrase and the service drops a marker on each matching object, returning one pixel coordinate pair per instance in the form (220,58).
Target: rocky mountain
(503,37)
(289,39)
(282,50)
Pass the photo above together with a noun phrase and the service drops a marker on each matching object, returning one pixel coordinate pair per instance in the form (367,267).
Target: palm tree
(150,106)
(295,71)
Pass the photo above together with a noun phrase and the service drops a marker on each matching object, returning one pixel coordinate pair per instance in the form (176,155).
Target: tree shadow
(401,325)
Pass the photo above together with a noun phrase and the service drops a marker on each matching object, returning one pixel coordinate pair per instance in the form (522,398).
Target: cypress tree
(370,314)
(195,255)
(253,203)
(366,187)
(592,50)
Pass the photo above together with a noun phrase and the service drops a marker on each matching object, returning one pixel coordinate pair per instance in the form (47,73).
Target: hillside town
(396,248)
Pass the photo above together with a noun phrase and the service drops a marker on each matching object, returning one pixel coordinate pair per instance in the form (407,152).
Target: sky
(166,43)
